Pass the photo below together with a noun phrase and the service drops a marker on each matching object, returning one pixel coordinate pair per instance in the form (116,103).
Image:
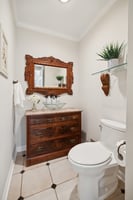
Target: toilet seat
(90,154)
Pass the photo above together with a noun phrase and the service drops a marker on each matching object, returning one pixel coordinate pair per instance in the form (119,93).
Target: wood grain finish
(48,61)
(105,79)
(52,135)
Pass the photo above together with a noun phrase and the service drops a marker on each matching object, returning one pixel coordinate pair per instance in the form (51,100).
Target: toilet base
(111,188)
(108,190)
(87,189)
(98,187)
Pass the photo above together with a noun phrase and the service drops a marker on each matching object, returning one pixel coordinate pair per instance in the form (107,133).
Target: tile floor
(52,180)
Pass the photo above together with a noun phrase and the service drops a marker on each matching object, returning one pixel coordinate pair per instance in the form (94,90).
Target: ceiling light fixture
(64,1)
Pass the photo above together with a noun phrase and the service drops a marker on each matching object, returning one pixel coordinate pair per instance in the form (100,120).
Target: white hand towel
(19,96)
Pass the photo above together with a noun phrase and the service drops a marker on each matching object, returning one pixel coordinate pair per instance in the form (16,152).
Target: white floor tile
(15,187)
(33,166)
(18,164)
(67,190)
(61,171)
(36,180)
(45,195)
(57,159)
(74,194)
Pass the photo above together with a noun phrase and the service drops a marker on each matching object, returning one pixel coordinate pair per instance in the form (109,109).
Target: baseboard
(8,181)
(21,148)
(10,173)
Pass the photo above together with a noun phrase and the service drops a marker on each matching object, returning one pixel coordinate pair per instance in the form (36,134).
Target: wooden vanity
(51,134)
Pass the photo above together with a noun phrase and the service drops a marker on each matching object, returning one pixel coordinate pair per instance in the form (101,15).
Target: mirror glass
(49,76)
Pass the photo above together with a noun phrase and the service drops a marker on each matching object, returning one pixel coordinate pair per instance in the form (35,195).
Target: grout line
(60,159)
(61,182)
(68,180)
(32,195)
(21,185)
(52,181)
(22,177)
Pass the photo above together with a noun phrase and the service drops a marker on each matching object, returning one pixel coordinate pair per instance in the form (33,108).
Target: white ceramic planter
(113,62)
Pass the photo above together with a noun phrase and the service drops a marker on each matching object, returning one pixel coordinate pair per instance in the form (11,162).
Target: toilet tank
(111,132)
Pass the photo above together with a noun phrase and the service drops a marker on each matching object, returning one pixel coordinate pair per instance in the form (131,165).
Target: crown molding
(98,18)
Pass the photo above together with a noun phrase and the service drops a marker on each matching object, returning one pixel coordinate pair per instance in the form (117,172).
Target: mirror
(48,76)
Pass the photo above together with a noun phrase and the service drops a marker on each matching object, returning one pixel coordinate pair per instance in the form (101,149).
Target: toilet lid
(90,153)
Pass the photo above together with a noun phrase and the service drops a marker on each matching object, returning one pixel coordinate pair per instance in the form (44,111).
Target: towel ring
(14,82)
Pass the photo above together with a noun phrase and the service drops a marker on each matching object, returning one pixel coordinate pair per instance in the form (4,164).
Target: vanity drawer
(41,119)
(44,133)
(53,146)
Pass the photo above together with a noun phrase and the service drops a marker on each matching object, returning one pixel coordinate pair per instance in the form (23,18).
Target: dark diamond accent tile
(20,198)
(24,155)
(123,191)
(22,171)
(48,163)
(53,186)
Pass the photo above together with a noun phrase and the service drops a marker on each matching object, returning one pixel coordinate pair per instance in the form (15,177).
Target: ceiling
(70,21)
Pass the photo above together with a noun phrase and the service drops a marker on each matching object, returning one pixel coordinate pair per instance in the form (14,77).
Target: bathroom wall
(112,27)
(40,45)
(7,141)
(87,88)
(129,148)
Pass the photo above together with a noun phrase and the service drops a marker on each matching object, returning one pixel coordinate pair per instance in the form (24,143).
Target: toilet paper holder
(120,156)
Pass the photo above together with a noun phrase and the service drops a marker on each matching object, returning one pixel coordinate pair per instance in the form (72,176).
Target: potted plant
(60,79)
(112,53)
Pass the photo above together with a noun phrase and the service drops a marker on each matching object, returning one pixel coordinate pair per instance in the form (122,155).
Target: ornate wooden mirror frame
(52,62)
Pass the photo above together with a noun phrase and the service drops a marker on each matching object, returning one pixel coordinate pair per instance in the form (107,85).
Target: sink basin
(54,106)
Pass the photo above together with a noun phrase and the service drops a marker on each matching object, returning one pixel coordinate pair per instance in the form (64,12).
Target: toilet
(95,163)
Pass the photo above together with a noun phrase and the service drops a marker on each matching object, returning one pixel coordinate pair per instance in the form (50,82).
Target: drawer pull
(63,118)
(35,121)
(40,148)
(49,120)
(73,128)
(75,117)
(73,140)
(39,133)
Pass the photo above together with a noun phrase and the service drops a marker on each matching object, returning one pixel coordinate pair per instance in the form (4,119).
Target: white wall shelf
(109,69)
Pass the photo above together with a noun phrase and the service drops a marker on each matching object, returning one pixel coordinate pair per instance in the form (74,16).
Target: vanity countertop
(46,111)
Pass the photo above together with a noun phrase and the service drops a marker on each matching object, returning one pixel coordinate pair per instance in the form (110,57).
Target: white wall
(86,88)
(111,28)
(40,45)
(129,162)
(6,99)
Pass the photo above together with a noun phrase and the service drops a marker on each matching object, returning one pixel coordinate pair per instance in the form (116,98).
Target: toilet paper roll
(120,153)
